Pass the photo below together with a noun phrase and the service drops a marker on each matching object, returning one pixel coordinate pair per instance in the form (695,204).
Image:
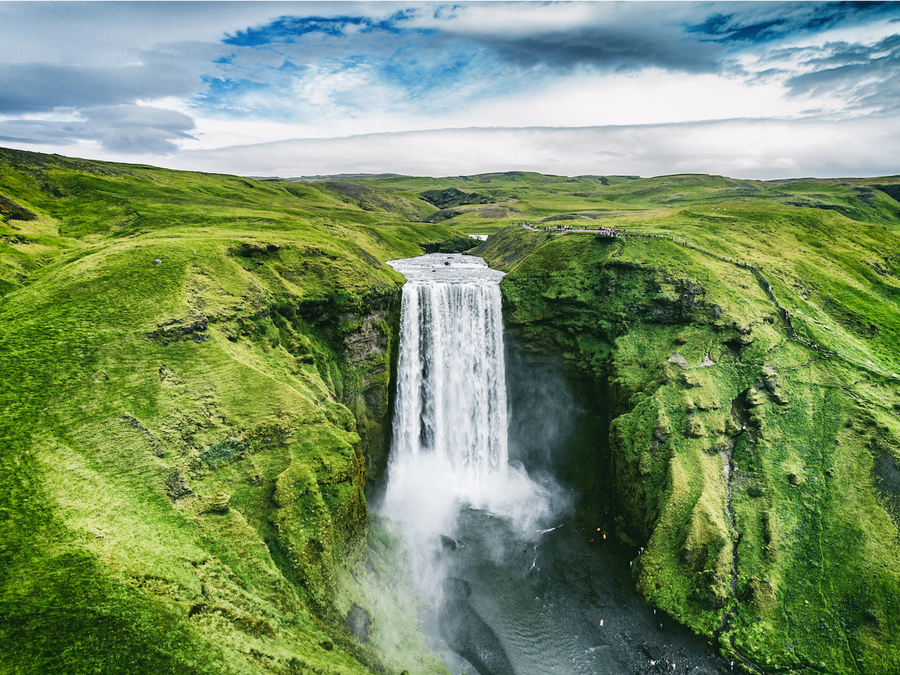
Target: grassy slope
(288,274)
(693,350)
(792,558)
(134,535)
(530,197)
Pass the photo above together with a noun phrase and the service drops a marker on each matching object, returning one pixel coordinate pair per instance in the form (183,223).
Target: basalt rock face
(753,493)
(366,340)
(10,210)
(444,199)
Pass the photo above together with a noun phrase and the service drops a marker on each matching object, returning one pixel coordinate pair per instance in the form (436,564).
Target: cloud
(97,73)
(440,60)
(123,129)
(865,77)
(41,87)
(762,149)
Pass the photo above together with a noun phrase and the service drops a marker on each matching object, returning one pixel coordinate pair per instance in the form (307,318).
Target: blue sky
(754,90)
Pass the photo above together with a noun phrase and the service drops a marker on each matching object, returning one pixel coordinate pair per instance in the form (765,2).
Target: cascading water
(510,590)
(449,455)
(451,378)
(449,445)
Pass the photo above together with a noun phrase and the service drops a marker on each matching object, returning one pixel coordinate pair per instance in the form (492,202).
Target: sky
(747,90)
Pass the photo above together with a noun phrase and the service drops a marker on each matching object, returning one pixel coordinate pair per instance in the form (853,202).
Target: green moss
(763,518)
(222,452)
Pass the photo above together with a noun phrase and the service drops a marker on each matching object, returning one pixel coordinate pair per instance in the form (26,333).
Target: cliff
(751,457)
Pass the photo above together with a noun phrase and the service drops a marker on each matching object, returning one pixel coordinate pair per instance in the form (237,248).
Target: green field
(195,376)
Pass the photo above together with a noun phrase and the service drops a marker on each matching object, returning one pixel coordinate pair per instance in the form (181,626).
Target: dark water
(544,598)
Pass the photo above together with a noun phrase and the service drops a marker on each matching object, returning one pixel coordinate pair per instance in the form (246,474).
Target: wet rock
(175,330)
(467,633)
(679,359)
(368,341)
(358,621)
(447,543)
(176,486)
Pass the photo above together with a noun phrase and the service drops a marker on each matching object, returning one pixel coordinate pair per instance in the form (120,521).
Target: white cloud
(321,85)
(511,20)
(122,130)
(762,149)
(102,76)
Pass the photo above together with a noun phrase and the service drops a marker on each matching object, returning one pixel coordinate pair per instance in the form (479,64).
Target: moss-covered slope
(194,376)
(194,389)
(754,458)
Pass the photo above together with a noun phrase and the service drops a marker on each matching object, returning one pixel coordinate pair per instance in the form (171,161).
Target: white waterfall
(449,472)
(449,447)
(451,380)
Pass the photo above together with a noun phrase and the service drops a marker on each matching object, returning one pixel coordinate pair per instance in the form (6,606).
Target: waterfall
(451,377)
(461,508)
(449,450)
(503,584)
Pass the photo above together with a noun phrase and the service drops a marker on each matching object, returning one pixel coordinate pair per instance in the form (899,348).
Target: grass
(151,411)
(789,559)
(186,443)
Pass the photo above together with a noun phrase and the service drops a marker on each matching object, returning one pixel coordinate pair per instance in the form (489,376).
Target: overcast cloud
(756,90)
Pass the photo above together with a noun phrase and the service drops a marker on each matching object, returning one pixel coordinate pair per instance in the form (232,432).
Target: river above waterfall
(512,587)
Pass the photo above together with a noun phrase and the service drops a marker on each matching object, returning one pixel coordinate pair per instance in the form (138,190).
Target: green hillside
(195,376)
(194,384)
(756,460)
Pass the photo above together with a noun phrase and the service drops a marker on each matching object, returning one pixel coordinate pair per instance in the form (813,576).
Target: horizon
(755,91)
(386,175)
